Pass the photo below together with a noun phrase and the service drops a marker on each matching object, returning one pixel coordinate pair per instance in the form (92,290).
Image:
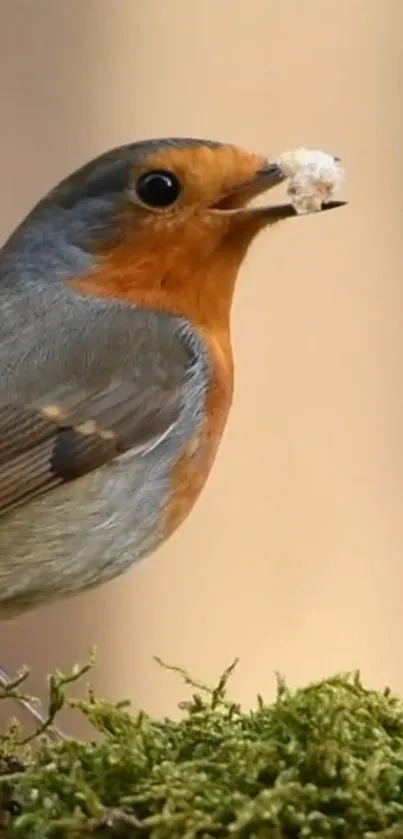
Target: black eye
(158,188)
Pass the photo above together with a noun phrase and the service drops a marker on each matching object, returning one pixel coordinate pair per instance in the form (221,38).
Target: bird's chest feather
(195,460)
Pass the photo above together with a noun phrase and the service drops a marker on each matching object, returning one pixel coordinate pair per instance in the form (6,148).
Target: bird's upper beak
(236,201)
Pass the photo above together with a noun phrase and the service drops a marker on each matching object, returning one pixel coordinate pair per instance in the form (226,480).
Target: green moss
(326,760)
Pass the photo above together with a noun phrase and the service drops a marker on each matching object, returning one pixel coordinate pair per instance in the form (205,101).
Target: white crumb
(313,177)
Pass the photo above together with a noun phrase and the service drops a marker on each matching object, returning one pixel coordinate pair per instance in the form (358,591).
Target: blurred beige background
(293,558)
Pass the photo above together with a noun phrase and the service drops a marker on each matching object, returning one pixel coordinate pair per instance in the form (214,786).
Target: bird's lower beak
(236,202)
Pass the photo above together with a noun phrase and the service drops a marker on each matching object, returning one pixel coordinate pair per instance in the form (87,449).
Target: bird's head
(169,221)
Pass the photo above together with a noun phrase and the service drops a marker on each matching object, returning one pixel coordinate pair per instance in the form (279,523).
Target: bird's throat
(198,284)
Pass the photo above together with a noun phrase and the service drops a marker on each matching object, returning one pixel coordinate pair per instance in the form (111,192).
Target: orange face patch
(185,259)
(206,173)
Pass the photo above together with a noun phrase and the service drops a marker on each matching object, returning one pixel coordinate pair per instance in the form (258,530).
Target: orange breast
(196,459)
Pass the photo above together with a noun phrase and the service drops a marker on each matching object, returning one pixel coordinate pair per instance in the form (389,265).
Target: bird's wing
(72,430)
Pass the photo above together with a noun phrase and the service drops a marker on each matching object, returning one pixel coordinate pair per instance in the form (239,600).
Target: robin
(116,359)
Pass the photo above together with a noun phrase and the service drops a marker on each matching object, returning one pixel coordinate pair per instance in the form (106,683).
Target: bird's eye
(158,189)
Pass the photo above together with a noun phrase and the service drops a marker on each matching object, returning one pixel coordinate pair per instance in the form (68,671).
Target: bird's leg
(6,682)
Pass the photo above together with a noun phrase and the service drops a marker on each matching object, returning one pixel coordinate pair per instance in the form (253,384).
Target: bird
(116,358)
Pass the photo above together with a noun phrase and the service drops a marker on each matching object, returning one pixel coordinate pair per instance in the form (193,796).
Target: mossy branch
(325,760)
(57,684)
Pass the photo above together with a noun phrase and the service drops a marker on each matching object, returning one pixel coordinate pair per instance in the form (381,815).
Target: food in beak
(312,178)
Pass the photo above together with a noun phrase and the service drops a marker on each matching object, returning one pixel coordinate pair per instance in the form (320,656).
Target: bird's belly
(83,533)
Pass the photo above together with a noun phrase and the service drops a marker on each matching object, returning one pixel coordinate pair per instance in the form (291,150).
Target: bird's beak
(236,201)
